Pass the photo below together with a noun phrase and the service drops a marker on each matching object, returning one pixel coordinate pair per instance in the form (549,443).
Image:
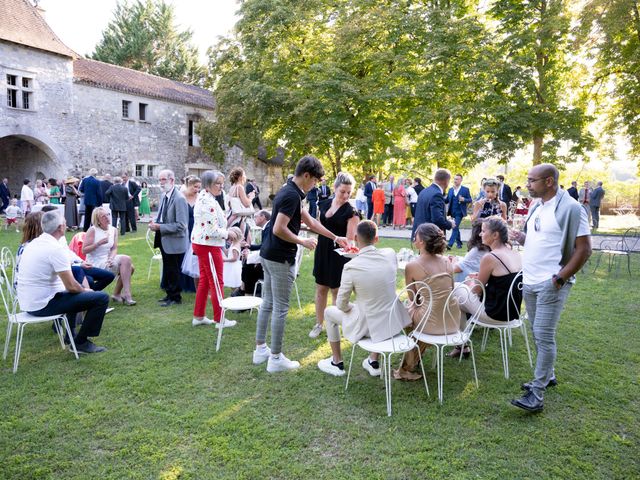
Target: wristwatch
(559,280)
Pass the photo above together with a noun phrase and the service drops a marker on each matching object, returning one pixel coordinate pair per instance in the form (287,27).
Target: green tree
(610,31)
(531,101)
(144,36)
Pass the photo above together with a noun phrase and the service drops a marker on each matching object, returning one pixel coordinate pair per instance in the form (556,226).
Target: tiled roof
(21,23)
(105,75)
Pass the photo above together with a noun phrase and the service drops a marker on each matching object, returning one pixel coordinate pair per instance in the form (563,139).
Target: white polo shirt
(543,247)
(38,281)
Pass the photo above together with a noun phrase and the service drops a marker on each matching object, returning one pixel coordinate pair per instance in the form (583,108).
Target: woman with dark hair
(490,205)
(71,203)
(475,251)
(54,192)
(497,271)
(434,269)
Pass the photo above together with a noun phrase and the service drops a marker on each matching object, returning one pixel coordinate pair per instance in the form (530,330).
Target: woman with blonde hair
(237,178)
(101,248)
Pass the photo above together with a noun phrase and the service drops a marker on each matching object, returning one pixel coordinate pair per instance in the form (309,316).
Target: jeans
(98,278)
(455,233)
(94,303)
(544,304)
(278,281)
(595,216)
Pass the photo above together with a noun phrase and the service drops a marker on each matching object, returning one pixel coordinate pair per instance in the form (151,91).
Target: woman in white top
(471,261)
(26,197)
(101,248)
(208,237)
(238,178)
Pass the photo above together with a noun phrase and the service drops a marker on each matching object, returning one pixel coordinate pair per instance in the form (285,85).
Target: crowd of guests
(199,220)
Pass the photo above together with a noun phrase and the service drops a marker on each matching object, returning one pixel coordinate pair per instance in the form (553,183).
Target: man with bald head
(557,243)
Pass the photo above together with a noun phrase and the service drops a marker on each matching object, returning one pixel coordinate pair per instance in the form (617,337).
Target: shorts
(11,221)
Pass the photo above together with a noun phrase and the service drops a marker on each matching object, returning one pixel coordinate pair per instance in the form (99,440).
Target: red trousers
(206,286)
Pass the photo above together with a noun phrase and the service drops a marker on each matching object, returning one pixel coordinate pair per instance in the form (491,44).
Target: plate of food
(349,252)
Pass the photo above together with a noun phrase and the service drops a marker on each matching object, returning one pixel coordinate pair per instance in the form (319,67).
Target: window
(19,92)
(194,139)
(150,169)
(139,170)
(142,112)
(125,108)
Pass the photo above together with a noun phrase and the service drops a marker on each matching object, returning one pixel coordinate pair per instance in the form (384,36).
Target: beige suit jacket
(372,277)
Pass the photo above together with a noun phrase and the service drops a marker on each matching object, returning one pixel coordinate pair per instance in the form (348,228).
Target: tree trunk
(537,149)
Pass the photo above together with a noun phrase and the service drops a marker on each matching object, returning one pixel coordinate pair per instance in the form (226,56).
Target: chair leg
(353,351)
(7,340)
(504,345)
(150,265)
(424,376)
(58,328)
(222,318)
(16,358)
(473,362)
(72,343)
(485,337)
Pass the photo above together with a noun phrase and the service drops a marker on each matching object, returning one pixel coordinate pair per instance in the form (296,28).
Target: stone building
(65,114)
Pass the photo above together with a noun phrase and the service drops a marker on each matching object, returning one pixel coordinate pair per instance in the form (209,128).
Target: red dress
(378,201)
(399,206)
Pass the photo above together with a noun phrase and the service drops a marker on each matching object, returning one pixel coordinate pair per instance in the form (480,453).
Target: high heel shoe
(458,350)
(117,299)
(129,301)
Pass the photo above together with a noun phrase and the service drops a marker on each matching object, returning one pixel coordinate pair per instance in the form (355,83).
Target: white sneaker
(374,372)
(315,331)
(227,323)
(281,364)
(205,321)
(109,310)
(261,355)
(327,366)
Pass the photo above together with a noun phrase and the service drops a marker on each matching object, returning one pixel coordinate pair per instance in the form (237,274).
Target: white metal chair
(155,254)
(459,338)
(505,328)
(22,319)
(400,343)
(298,263)
(233,304)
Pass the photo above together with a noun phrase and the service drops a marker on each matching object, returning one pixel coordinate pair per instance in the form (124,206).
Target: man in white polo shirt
(46,285)
(557,244)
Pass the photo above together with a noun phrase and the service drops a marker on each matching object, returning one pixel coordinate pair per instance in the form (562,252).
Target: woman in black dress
(340,218)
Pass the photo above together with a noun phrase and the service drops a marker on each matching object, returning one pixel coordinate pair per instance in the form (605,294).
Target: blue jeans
(97,278)
(455,233)
(544,304)
(276,290)
(94,303)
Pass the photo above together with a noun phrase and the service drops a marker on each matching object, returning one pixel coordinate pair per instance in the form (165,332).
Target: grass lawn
(160,403)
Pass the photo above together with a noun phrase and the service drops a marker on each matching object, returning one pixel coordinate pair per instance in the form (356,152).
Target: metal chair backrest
(298,261)
(150,240)
(8,262)
(631,240)
(513,306)
(7,290)
(416,295)
(216,283)
(458,295)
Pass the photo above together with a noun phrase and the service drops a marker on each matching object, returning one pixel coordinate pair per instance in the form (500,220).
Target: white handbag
(237,208)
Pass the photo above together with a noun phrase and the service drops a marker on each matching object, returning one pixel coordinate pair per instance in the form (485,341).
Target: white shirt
(411,193)
(542,251)
(26,193)
(456,190)
(38,280)
(360,195)
(12,212)
(73,258)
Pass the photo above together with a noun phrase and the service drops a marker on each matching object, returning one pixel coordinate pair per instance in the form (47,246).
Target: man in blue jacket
(458,199)
(90,186)
(368,192)
(431,205)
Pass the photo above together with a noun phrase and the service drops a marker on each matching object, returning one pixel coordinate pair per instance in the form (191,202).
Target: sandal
(129,301)
(406,376)
(117,299)
(458,350)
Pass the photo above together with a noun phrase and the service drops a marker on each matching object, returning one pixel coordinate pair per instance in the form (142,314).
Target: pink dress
(399,206)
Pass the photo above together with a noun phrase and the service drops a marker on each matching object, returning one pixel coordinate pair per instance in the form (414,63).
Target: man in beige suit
(372,276)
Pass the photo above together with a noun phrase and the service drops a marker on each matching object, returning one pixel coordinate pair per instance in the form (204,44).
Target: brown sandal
(406,376)
(458,350)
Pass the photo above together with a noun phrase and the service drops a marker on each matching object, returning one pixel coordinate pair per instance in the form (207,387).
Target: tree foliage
(144,36)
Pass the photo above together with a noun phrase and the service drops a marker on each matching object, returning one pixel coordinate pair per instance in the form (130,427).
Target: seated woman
(475,251)
(434,269)
(497,271)
(101,248)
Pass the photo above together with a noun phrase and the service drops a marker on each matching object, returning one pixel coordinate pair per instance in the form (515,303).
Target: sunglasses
(536,224)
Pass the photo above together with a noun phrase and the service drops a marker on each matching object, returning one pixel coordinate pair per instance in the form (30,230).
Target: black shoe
(448,247)
(89,347)
(165,299)
(238,292)
(168,303)
(527,386)
(460,246)
(529,402)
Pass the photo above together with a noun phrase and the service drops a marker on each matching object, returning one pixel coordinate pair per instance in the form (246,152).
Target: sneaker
(529,385)
(109,310)
(204,321)
(315,331)
(327,366)
(89,347)
(372,367)
(227,323)
(529,402)
(281,364)
(261,355)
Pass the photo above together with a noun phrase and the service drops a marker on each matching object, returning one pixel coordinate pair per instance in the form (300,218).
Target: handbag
(237,208)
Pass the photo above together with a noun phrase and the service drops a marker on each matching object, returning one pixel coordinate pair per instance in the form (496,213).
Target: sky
(79,23)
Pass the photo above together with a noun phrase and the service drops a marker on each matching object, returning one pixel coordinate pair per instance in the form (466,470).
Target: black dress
(327,264)
(497,296)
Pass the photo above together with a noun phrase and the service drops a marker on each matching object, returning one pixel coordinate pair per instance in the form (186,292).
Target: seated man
(252,270)
(372,276)
(46,285)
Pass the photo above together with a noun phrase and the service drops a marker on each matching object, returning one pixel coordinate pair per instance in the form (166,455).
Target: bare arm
(476,210)
(70,283)
(503,207)
(317,227)
(352,226)
(580,255)
(90,244)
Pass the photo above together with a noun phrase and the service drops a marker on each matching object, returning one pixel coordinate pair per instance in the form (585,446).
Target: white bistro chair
(156,256)
(457,338)
(505,328)
(22,319)
(400,343)
(233,304)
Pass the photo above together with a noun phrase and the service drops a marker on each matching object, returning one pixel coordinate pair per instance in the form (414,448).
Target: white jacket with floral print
(210,222)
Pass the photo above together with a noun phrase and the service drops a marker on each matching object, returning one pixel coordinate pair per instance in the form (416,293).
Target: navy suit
(368,192)
(458,210)
(506,195)
(5,195)
(90,186)
(312,198)
(573,191)
(431,209)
